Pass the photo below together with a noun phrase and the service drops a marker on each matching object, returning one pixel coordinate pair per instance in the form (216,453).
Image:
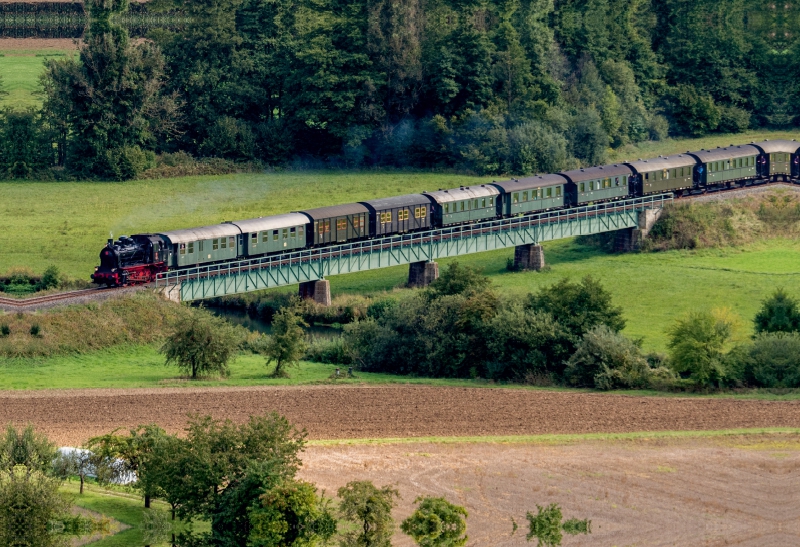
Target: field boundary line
(565,438)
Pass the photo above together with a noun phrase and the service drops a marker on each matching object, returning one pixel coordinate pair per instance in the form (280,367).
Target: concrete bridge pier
(319,291)
(422,274)
(529,257)
(630,239)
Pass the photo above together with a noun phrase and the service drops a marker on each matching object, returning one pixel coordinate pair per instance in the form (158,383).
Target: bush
(733,119)
(696,342)
(328,350)
(578,306)
(607,360)
(5,330)
(535,148)
(771,361)
(50,279)
(694,112)
(35,330)
(436,523)
(778,313)
(201,344)
(524,343)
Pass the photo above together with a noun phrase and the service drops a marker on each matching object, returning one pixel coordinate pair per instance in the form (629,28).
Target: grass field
(21,70)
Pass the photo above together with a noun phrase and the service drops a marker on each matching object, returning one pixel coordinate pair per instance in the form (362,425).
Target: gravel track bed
(82,298)
(351,412)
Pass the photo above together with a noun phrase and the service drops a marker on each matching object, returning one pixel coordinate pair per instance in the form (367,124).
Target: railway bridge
(633,218)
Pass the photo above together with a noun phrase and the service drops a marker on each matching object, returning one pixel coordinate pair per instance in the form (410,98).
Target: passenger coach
(662,174)
(778,159)
(531,194)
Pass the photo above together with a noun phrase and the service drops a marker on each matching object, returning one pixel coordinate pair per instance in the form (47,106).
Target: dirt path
(726,491)
(347,412)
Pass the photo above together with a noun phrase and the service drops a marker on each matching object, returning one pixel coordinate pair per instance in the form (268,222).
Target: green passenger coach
(777,157)
(465,204)
(725,166)
(605,183)
(663,174)
(202,245)
(531,194)
(272,234)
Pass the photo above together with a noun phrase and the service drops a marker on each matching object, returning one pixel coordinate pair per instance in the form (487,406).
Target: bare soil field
(37,44)
(363,412)
(739,491)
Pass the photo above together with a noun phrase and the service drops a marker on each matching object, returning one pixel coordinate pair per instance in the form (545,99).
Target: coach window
(190,250)
(583,187)
(232,242)
(215,244)
(446,207)
(516,197)
(274,235)
(293,232)
(199,246)
(183,248)
(253,240)
(549,192)
(424,212)
(300,231)
(525,196)
(558,191)
(462,206)
(286,233)
(416,212)
(223,243)
(386,217)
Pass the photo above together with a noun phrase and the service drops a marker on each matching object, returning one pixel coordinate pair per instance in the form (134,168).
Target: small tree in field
(696,344)
(436,523)
(287,345)
(201,344)
(370,509)
(778,313)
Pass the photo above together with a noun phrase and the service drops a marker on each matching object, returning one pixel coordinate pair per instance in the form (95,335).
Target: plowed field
(342,412)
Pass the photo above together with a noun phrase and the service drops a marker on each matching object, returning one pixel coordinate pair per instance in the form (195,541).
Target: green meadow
(21,70)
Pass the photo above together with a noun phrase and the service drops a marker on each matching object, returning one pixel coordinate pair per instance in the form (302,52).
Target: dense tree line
(566,334)
(512,86)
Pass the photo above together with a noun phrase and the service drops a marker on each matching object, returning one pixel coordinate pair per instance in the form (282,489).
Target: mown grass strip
(555,439)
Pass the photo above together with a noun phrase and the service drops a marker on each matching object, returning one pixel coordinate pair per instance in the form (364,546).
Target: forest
(482,86)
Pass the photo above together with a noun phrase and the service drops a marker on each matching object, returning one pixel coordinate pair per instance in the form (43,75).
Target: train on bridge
(140,258)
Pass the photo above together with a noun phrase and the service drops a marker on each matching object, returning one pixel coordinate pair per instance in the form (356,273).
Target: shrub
(201,344)
(607,360)
(778,313)
(35,330)
(771,361)
(578,306)
(696,342)
(436,523)
(524,343)
(50,279)
(328,350)
(5,330)
(535,148)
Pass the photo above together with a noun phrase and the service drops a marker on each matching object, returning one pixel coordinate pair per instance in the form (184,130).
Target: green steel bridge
(311,265)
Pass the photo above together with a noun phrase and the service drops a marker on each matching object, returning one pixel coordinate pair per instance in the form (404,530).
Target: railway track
(38,302)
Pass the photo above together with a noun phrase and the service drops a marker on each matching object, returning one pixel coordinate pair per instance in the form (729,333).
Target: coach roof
(729,152)
(276,222)
(409,200)
(526,183)
(335,211)
(662,162)
(592,173)
(465,192)
(198,234)
(782,145)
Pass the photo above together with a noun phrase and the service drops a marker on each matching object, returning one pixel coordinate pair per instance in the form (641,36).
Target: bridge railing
(389,243)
